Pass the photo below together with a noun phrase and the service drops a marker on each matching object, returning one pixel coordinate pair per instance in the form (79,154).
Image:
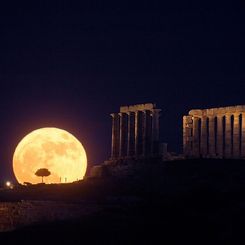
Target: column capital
(196,118)
(146,110)
(122,113)
(114,114)
(156,110)
(228,114)
(237,114)
(128,112)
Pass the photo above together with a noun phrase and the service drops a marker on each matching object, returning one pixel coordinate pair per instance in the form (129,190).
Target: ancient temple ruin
(215,133)
(135,132)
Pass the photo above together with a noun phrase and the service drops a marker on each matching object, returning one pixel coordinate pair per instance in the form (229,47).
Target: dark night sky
(69,66)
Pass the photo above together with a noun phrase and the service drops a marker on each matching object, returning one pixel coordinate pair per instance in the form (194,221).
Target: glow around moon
(52,148)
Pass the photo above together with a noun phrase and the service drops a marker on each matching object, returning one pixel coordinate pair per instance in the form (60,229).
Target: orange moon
(52,148)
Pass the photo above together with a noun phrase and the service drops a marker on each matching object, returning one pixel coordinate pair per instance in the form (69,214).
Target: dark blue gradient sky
(70,65)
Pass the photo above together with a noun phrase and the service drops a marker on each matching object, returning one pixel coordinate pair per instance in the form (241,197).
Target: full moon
(51,148)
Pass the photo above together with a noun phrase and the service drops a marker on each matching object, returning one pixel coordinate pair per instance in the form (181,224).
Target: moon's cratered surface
(52,148)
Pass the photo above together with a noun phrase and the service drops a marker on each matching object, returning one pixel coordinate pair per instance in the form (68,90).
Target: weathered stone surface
(138,132)
(135,132)
(217,111)
(147,132)
(204,142)
(187,135)
(243,134)
(131,135)
(196,137)
(211,150)
(139,107)
(236,137)
(123,134)
(220,135)
(228,136)
(115,136)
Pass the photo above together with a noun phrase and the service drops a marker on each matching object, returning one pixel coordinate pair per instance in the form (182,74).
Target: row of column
(135,134)
(223,136)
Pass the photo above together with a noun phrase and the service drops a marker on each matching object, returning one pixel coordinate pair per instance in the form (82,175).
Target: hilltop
(200,200)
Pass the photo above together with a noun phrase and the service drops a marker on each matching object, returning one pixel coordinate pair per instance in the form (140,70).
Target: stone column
(138,133)
(228,135)
(187,135)
(123,135)
(195,137)
(131,136)
(115,136)
(236,136)
(243,136)
(220,136)
(204,136)
(146,133)
(155,132)
(211,144)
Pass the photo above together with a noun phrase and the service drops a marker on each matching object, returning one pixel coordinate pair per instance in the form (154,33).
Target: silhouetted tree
(42,172)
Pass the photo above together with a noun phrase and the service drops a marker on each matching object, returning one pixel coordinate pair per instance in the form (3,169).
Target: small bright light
(9,184)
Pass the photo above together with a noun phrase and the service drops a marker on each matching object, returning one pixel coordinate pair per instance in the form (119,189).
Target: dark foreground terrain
(180,202)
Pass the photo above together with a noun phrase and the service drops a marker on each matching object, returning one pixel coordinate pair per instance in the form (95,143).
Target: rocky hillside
(197,200)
